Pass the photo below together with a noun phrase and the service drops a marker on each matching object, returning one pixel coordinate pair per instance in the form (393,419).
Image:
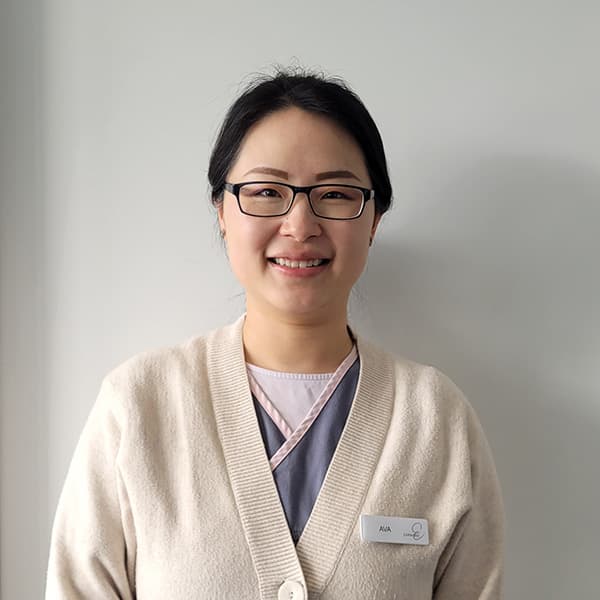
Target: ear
(220,216)
(376,220)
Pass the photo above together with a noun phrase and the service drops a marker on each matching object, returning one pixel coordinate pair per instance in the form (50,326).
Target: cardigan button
(290,590)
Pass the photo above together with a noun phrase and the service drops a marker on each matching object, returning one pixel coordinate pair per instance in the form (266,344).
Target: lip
(300,256)
(299,272)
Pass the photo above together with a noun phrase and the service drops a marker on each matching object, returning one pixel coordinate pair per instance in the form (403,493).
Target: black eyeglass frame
(234,188)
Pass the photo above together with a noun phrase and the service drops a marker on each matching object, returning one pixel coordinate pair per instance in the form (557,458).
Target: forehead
(301,143)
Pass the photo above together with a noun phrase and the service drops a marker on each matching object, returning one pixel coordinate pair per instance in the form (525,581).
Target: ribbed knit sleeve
(472,564)
(88,550)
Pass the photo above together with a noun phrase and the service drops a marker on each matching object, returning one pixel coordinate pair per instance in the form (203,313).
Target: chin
(299,306)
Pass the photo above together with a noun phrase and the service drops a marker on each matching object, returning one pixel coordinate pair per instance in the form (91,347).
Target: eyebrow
(341,174)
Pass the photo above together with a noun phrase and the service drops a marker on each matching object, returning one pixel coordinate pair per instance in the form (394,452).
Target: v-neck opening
(335,512)
(294,437)
(300,474)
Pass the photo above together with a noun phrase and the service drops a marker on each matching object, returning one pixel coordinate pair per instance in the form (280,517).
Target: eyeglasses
(275,199)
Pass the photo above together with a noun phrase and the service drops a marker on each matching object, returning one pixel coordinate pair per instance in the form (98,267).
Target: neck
(296,346)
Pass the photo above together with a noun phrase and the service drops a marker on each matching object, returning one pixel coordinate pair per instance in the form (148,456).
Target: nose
(300,222)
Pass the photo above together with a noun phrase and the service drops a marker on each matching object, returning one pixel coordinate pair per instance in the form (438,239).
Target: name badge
(394,530)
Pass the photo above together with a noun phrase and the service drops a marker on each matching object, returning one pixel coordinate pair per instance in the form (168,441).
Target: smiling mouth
(299,264)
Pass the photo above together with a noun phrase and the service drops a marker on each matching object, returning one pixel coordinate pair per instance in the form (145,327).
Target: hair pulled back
(327,96)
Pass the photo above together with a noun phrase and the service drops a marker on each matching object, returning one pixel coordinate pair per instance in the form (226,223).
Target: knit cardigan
(170,496)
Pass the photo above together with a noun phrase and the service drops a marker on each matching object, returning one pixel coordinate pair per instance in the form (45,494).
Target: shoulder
(158,364)
(432,415)
(423,392)
(167,370)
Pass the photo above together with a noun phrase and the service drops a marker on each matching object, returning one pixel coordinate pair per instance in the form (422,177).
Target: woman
(283,456)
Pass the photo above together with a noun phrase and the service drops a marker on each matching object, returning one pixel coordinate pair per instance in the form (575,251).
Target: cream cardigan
(170,496)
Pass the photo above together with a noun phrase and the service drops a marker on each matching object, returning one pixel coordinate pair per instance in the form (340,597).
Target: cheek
(359,260)
(246,243)
(354,249)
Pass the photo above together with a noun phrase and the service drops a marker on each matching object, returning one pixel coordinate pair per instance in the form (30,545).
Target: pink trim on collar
(313,413)
(264,401)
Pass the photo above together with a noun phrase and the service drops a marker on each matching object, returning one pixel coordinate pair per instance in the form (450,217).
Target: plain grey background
(487,266)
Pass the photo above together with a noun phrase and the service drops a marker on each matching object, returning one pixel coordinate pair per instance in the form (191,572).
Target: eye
(262,190)
(334,195)
(339,193)
(268,193)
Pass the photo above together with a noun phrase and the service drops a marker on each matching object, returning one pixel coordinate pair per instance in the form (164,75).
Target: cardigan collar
(337,508)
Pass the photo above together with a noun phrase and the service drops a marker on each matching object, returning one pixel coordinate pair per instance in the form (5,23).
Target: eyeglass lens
(272,199)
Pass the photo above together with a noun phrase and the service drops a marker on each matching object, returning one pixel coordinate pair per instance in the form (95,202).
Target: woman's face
(297,147)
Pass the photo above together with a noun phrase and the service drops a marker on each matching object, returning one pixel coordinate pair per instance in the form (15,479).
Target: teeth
(298,264)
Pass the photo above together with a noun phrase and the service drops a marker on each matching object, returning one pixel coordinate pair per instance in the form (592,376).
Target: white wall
(487,267)
(24,342)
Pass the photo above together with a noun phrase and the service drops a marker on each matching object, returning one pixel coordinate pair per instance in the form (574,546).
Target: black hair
(327,96)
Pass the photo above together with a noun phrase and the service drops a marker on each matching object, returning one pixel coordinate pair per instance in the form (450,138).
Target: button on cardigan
(170,494)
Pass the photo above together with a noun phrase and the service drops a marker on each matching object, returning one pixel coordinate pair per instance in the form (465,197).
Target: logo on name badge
(394,530)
